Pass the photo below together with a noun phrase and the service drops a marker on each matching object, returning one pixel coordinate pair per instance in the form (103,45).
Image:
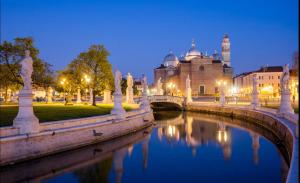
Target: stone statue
(25,120)
(129,89)
(284,80)
(144,82)
(118,109)
(254,80)
(118,79)
(188,82)
(285,102)
(254,99)
(129,81)
(26,70)
(159,87)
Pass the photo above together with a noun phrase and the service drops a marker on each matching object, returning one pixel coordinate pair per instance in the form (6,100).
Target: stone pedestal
(255,101)
(145,103)
(107,97)
(222,99)
(49,95)
(129,95)
(26,121)
(188,95)
(118,109)
(285,104)
(78,96)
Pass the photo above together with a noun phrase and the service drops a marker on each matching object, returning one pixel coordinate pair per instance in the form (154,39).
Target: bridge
(159,100)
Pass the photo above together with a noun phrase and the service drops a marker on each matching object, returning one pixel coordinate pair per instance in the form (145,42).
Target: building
(268,79)
(204,71)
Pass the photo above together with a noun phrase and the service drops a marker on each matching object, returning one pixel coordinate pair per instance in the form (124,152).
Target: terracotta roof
(270,69)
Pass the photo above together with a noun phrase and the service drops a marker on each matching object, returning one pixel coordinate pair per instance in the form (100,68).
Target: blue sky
(139,34)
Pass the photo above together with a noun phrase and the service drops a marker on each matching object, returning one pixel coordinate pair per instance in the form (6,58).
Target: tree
(10,56)
(95,64)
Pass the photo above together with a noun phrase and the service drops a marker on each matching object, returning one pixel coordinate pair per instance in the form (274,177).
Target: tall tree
(95,64)
(11,53)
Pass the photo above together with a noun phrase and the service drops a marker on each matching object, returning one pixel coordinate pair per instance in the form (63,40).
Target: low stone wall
(67,134)
(284,129)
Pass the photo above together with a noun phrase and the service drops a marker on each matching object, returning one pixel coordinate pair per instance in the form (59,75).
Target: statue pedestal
(129,96)
(222,100)
(189,95)
(255,100)
(107,97)
(285,104)
(145,104)
(26,121)
(118,109)
(78,100)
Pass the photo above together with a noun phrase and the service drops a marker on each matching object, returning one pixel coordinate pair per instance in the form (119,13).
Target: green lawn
(54,112)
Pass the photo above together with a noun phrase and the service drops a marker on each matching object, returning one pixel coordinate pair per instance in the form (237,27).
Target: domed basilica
(204,71)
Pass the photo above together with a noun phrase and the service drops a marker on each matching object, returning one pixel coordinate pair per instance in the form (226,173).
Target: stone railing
(285,127)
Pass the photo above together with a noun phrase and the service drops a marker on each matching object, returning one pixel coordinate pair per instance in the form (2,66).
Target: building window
(201,68)
(269,77)
(262,85)
(272,77)
(278,77)
(201,89)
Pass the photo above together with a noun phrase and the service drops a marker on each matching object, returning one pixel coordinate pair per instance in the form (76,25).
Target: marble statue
(159,90)
(284,80)
(188,82)
(26,70)
(25,120)
(129,89)
(188,90)
(255,100)
(118,110)
(285,101)
(118,79)
(129,80)
(145,103)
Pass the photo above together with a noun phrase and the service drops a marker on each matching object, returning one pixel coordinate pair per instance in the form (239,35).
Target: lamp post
(171,87)
(63,83)
(87,80)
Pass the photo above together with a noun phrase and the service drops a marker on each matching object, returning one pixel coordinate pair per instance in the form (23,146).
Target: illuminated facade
(268,79)
(204,71)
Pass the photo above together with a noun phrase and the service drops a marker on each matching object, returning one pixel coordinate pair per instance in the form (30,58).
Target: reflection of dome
(193,52)
(170,60)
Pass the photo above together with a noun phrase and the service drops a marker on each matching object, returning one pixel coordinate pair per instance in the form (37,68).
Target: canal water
(180,147)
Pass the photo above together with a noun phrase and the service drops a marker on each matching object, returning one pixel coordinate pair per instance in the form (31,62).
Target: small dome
(170,60)
(193,50)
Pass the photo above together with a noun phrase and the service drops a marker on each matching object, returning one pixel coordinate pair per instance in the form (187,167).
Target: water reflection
(140,157)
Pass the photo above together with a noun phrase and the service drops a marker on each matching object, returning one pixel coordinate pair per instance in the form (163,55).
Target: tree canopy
(11,53)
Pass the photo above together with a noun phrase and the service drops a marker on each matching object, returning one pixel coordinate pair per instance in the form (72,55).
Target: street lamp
(62,82)
(171,86)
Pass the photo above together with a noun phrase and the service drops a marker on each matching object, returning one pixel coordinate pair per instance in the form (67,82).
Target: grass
(56,111)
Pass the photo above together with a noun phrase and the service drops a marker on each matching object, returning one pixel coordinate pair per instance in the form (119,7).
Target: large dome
(170,60)
(193,52)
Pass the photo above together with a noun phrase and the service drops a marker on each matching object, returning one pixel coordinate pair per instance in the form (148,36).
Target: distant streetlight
(62,82)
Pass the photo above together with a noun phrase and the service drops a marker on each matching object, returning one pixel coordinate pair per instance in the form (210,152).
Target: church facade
(205,71)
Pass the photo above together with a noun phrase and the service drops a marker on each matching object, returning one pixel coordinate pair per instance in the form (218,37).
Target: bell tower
(226,50)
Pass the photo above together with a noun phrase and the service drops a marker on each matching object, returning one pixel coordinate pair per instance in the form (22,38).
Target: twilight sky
(139,34)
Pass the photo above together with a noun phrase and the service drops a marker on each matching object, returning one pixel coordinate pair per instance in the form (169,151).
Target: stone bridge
(163,99)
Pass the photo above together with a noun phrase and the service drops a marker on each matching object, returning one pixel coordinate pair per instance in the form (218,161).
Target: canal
(180,147)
